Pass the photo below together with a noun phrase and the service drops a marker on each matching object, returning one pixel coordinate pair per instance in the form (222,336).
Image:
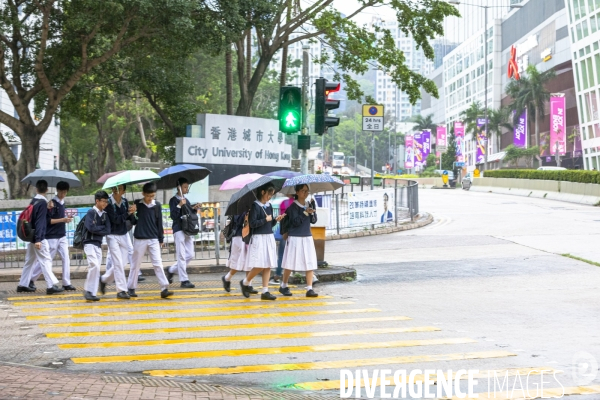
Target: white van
(551,169)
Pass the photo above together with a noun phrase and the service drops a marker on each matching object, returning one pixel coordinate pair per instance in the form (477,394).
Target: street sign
(372,117)
(460,164)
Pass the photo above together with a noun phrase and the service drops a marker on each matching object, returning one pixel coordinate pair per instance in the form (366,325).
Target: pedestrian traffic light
(290,109)
(323,104)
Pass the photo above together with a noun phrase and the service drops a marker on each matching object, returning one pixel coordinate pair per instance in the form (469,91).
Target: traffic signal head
(323,104)
(290,109)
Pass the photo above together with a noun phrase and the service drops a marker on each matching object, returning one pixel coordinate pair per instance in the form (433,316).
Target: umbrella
(130,177)
(238,182)
(107,175)
(242,200)
(284,173)
(52,176)
(169,176)
(316,183)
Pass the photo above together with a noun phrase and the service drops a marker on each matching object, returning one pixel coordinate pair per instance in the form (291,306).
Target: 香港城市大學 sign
(231,140)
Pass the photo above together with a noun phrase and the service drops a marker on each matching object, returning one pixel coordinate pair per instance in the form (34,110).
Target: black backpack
(190,224)
(229,230)
(80,234)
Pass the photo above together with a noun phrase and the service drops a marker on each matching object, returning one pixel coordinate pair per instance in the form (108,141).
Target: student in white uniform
(97,225)
(149,235)
(261,256)
(237,255)
(56,235)
(300,254)
(39,250)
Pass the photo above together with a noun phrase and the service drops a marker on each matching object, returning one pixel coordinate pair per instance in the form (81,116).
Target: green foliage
(423,123)
(579,176)
(449,157)
(515,154)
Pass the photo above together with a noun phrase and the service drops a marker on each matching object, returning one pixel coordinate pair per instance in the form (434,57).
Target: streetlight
(485,63)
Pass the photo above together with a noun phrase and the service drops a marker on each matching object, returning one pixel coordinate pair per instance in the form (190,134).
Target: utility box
(318,233)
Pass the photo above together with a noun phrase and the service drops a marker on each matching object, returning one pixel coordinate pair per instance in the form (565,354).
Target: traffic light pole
(305,82)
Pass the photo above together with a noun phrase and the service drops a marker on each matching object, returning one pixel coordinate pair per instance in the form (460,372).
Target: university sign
(231,140)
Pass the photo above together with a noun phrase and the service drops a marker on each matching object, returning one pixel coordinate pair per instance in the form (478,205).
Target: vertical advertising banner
(418,150)
(558,135)
(409,160)
(426,140)
(481,141)
(441,139)
(520,137)
(459,135)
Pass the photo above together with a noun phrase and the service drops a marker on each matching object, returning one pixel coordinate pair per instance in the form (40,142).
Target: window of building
(591,71)
(584,25)
(591,5)
(570,12)
(579,32)
(593,24)
(595,46)
(584,76)
(597,56)
(595,163)
(587,50)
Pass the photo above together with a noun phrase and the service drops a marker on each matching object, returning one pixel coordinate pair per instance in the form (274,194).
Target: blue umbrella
(170,176)
(316,183)
(284,173)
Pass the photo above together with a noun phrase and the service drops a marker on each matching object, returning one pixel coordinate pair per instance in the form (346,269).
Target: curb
(328,274)
(424,220)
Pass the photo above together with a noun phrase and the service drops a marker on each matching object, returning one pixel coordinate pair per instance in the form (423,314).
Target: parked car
(467,181)
(551,169)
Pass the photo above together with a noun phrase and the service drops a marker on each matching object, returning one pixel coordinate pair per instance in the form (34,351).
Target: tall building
(584,33)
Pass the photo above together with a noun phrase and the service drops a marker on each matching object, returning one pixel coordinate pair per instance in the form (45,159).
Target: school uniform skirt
(299,254)
(237,255)
(261,252)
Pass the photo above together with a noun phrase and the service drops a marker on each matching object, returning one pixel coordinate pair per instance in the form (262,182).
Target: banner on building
(372,207)
(558,134)
(422,148)
(409,159)
(459,137)
(441,140)
(481,141)
(520,131)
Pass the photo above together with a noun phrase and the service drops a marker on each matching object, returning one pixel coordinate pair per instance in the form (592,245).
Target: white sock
(265,289)
(308,288)
(250,283)
(245,282)
(228,276)
(283,285)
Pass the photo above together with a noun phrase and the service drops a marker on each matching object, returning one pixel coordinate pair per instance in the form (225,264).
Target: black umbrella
(242,200)
(169,176)
(52,176)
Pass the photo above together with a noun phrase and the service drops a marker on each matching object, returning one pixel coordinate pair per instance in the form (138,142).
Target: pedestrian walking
(179,206)
(300,254)
(149,236)
(261,255)
(120,214)
(97,225)
(237,255)
(280,242)
(56,235)
(38,251)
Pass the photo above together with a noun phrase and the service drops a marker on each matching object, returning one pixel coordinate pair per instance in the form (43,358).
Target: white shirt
(179,198)
(267,204)
(100,213)
(40,197)
(152,204)
(115,202)
(61,202)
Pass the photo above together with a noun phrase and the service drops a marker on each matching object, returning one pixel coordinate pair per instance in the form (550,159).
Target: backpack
(190,224)
(246,231)
(229,230)
(25,228)
(80,234)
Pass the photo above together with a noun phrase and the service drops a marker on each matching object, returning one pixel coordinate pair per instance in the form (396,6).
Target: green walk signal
(290,109)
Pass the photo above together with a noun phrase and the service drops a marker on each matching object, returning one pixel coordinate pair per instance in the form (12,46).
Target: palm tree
(530,93)
(423,123)
(499,119)
(469,118)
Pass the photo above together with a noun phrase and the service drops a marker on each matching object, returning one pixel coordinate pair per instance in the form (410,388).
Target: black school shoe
(311,293)
(141,279)
(102,286)
(245,289)
(32,285)
(131,293)
(168,274)
(123,296)
(226,284)
(90,297)
(267,296)
(187,285)
(24,289)
(54,289)
(69,287)
(252,290)
(166,293)
(285,291)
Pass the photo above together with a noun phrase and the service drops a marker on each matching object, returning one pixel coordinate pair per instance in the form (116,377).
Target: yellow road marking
(547,393)
(172,303)
(335,384)
(114,299)
(60,296)
(295,335)
(226,327)
(364,362)
(190,310)
(269,350)
(207,318)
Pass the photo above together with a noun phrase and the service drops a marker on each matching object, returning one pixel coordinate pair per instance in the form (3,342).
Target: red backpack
(25,228)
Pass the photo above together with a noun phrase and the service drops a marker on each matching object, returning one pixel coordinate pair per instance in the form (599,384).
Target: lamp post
(485,59)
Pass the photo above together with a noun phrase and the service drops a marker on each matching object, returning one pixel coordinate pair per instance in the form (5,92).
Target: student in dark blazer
(97,225)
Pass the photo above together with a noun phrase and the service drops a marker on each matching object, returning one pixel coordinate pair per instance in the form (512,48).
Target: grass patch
(581,259)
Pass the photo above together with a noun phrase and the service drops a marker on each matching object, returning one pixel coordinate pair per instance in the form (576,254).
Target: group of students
(259,256)
(111,217)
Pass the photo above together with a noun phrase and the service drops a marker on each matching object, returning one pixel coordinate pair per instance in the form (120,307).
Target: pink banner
(481,141)
(459,135)
(558,134)
(441,137)
(409,159)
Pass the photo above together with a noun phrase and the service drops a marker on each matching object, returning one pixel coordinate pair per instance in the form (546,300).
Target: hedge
(579,176)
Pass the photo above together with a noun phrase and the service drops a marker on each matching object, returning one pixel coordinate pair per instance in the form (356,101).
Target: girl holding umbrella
(300,254)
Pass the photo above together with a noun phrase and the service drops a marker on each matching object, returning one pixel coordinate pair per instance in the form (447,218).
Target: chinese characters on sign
(441,140)
(374,124)
(409,160)
(373,207)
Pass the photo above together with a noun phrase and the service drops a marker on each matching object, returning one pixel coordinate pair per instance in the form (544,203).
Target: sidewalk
(19,382)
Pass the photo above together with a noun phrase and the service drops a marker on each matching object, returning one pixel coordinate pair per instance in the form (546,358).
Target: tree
(352,47)
(49,47)
(469,117)
(449,157)
(529,93)
(423,123)
(498,120)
